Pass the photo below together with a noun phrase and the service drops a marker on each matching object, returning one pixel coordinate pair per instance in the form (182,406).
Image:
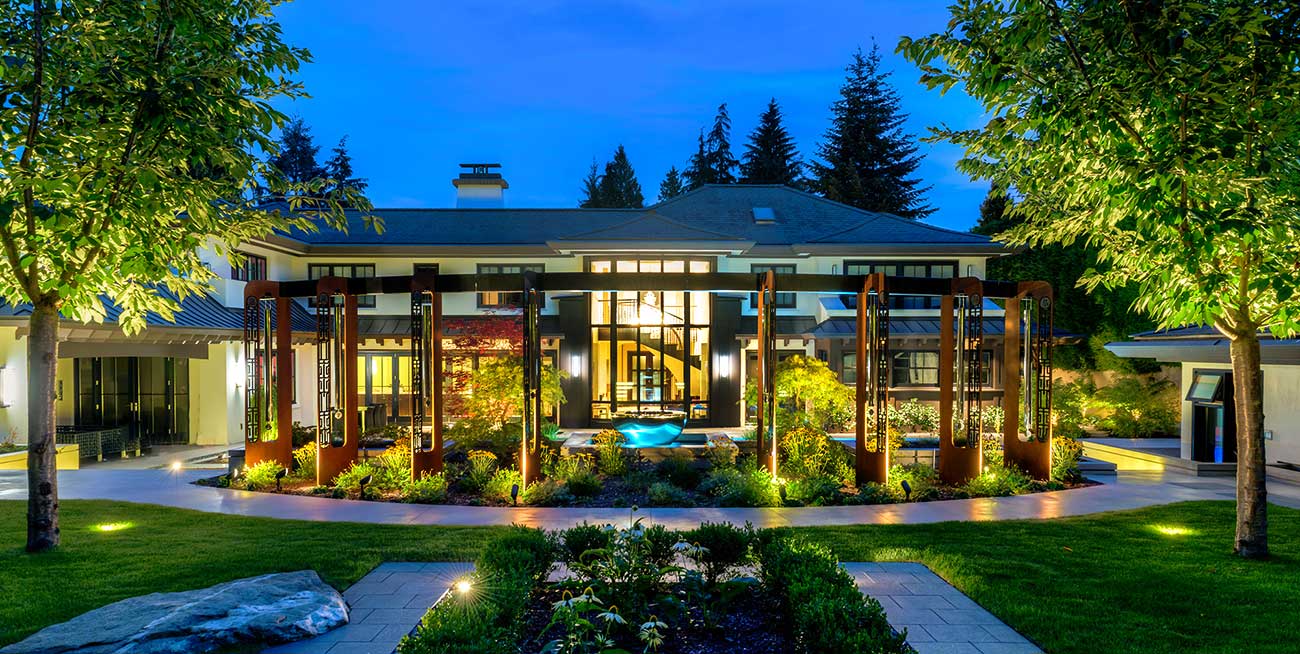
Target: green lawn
(1106,583)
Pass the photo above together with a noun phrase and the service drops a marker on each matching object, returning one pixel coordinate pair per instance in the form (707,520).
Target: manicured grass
(157,549)
(1159,580)
(1105,583)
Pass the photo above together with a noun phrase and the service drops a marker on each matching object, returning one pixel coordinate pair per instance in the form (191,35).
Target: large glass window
(932,269)
(502,299)
(354,270)
(650,349)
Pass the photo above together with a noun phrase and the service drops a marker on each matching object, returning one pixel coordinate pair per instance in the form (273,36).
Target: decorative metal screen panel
(422,369)
(330,381)
(1037,369)
(970,378)
(878,367)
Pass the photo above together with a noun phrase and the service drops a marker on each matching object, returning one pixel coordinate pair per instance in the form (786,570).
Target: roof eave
(865,249)
(690,246)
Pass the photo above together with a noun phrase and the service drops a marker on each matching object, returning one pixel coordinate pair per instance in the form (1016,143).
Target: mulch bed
(750,625)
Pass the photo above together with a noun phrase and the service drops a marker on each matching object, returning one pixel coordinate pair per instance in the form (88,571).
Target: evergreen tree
(296,159)
(866,160)
(721,162)
(697,171)
(672,186)
(591,188)
(618,186)
(339,169)
(771,156)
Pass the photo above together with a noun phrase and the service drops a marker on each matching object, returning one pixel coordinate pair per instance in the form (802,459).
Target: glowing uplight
(112,526)
(464,587)
(1171,530)
(176,466)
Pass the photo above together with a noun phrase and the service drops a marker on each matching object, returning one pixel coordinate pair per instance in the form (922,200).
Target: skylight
(764,215)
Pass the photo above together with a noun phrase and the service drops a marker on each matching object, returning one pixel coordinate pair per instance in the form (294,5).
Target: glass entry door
(148,394)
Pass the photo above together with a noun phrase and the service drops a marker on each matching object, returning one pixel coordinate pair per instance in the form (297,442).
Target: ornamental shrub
(828,614)
(923,479)
(726,548)
(747,484)
(576,471)
(721,451)
(481,465)
(1134,408)
(499,486)
(913,415)
(579,539)
(814,491)
(547,492)
(1066,452)
(873,493)
(428,489)
(610,456)
(349,481)
(663,493)
(261,476)
(678,468)
(998,481)
(304,461)
(809,453)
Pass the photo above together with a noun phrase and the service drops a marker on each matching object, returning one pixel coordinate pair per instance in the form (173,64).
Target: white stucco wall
(1281,410)
(13,356)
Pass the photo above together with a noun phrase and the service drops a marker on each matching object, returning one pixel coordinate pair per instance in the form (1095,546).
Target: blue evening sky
(544,86)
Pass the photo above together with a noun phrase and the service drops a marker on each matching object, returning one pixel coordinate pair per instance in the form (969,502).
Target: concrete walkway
(939,619)
(385,605)
(1125,490)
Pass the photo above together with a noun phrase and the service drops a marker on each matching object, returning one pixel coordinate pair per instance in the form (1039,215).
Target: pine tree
(697,171)
(672,186)
(771,156)
(866,160)
(618,186)
(993,214)
(591,188)
(721,162)
(339,169)
(296,160)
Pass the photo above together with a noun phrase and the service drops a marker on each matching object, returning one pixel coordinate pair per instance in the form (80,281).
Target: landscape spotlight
(279,477)
(176,466)
(365,481)
(514,494)
(463,586)
(907,490)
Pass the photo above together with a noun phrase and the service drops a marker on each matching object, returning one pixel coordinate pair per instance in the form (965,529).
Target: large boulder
(269,609)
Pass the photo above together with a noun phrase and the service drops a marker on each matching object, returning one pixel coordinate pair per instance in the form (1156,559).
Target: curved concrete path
(1125,490)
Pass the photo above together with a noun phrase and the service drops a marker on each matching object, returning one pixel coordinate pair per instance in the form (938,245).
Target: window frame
(363,301)
(242,273)
(786,300)
(896,265)
(894,368)
(523,268)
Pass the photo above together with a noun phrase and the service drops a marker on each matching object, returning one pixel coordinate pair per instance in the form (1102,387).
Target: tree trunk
(42,481)
(1252,491)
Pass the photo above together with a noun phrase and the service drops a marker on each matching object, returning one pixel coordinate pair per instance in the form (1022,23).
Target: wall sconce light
(8,385)
(724,366)
(575,365)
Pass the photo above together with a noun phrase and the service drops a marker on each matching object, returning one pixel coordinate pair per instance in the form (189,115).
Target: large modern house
(687,351)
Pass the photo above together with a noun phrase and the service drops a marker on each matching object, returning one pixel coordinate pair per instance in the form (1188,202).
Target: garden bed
(814,470)
(711,590)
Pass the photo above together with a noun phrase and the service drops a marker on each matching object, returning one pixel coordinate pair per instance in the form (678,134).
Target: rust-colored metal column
(336,346)
(530,450)
(957,464)
(871,384)
(765,434)
(1027,377)
(426,375)
(261,444)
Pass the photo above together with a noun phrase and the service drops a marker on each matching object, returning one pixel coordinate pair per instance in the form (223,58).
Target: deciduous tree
(1165,136)
(129,145)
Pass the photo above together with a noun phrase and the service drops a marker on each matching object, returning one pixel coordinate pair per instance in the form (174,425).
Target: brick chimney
(478,187)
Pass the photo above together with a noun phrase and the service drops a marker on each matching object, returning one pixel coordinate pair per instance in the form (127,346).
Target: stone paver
(939,619)
(1126,490)
(386,604)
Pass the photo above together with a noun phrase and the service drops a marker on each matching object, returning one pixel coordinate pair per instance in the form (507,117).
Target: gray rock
(269,609)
